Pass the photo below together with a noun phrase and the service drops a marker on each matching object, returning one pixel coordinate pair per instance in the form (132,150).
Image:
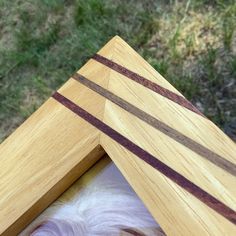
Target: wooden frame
(179,163)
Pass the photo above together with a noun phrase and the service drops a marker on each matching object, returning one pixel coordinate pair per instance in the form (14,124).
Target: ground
(191,43)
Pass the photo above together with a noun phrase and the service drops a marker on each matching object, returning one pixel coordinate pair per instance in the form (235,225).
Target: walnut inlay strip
(202,195)
(147,83)
(164,128)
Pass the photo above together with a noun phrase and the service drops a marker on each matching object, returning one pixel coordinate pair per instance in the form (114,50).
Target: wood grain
(162,148)
(147,83)
(176,135)
(151,160)
(42,159)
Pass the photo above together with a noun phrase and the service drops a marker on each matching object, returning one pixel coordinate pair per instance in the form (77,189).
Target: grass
(191,43)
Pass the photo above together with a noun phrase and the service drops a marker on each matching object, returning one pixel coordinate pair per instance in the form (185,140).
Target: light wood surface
(40,160)
(54,141)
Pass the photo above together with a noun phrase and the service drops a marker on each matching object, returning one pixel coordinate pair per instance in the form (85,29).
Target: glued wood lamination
(179,163)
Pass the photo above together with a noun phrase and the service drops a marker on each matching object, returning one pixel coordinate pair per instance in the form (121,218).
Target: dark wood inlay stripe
(136,232)
(147,83)
(202,195)
(164,128)
(133,232)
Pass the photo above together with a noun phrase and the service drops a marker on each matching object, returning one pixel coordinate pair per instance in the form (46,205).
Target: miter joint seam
(107,86)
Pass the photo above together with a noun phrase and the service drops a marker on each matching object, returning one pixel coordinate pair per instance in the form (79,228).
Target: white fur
(100,203)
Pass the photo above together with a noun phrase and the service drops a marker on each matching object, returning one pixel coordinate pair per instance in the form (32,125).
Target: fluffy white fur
(100,203)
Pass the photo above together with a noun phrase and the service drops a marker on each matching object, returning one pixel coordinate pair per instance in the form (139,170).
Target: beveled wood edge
(86,163)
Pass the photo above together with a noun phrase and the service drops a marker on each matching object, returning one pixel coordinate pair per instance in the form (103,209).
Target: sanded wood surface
(180,164)
(41,159)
